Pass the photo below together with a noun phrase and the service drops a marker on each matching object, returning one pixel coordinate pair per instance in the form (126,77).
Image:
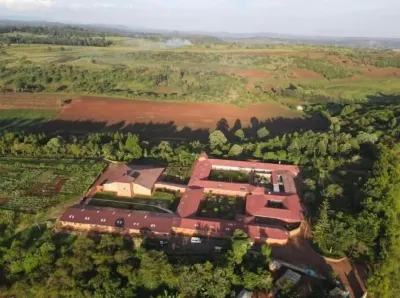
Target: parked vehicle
(195,240)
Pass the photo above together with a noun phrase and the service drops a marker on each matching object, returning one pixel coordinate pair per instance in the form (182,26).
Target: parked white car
(195,240)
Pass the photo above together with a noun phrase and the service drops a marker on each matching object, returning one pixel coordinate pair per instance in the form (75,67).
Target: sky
(369,18)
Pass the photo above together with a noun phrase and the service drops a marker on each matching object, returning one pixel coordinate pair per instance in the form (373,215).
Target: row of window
(197,226)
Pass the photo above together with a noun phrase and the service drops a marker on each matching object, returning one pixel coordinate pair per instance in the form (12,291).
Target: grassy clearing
(27,114)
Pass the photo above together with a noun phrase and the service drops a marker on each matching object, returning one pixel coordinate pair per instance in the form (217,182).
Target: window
(227,229)
(196,226)
(87,218)
(152,226)
(71,216)
(103,220)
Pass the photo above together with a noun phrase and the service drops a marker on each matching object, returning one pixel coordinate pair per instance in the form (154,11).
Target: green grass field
(21,119)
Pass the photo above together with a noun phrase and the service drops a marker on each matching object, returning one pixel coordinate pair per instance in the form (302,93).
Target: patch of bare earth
(194,115)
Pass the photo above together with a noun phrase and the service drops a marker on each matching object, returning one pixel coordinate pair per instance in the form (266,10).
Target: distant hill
(225,37)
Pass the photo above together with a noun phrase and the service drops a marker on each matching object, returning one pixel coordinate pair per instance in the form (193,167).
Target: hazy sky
(310,17)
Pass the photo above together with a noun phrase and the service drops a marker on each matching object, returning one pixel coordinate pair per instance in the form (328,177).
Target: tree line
(57,35)
(56,40)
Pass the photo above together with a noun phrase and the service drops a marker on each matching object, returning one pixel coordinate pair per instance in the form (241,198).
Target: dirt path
(299,252)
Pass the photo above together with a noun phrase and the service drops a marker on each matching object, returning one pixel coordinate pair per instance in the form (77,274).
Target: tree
(262,133)
(235,150)
(132,145)
(217,139)
(239,134)
(322,227)
(240,246)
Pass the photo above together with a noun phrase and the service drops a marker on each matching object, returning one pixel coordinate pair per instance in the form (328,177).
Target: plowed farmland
(193,115)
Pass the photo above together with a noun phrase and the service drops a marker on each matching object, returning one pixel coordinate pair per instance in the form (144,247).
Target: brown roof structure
(190,202)
(118,218)
(145,176)
(204,165)
(259,206)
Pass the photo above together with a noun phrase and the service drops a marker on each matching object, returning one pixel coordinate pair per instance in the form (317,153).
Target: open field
(31,185)
(193,115)
(154,119)
(239,75)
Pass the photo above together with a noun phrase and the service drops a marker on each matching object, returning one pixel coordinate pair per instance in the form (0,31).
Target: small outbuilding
(129,180)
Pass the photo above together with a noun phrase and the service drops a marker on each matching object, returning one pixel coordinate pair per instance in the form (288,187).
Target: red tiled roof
(190,202)
(202,169)
(258,231)
(226,227)
(274,177)
(288,183)
(254,165)
(138,220)
(256,205)
(143,175)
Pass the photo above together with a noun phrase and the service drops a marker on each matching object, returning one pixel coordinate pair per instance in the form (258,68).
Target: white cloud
(26,4)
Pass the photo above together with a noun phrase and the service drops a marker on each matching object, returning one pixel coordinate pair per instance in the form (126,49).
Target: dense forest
(350,174)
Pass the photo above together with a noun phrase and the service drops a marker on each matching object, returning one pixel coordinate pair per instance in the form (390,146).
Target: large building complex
(271,213)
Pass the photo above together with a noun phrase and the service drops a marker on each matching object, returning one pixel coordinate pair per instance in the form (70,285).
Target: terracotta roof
(190,202)
(288,183)
(115,173)
(226,227)
(274,177)
(203,167)
(259,231)
(254,165)
(257,205)
(118,218)
(145,176)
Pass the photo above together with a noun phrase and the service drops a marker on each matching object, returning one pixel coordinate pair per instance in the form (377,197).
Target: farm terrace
(272,210)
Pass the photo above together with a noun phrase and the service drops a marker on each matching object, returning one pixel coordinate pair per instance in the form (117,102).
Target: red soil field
(193,115)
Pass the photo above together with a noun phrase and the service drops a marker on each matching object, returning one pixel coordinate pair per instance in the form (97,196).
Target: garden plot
(29,185)
(221,207)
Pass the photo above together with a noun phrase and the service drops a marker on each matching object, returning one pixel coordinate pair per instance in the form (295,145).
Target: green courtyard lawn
(229,176)
(221,207)
(178,174)
(32,185)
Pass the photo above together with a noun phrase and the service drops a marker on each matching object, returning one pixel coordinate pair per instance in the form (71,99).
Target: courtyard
(221,207)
